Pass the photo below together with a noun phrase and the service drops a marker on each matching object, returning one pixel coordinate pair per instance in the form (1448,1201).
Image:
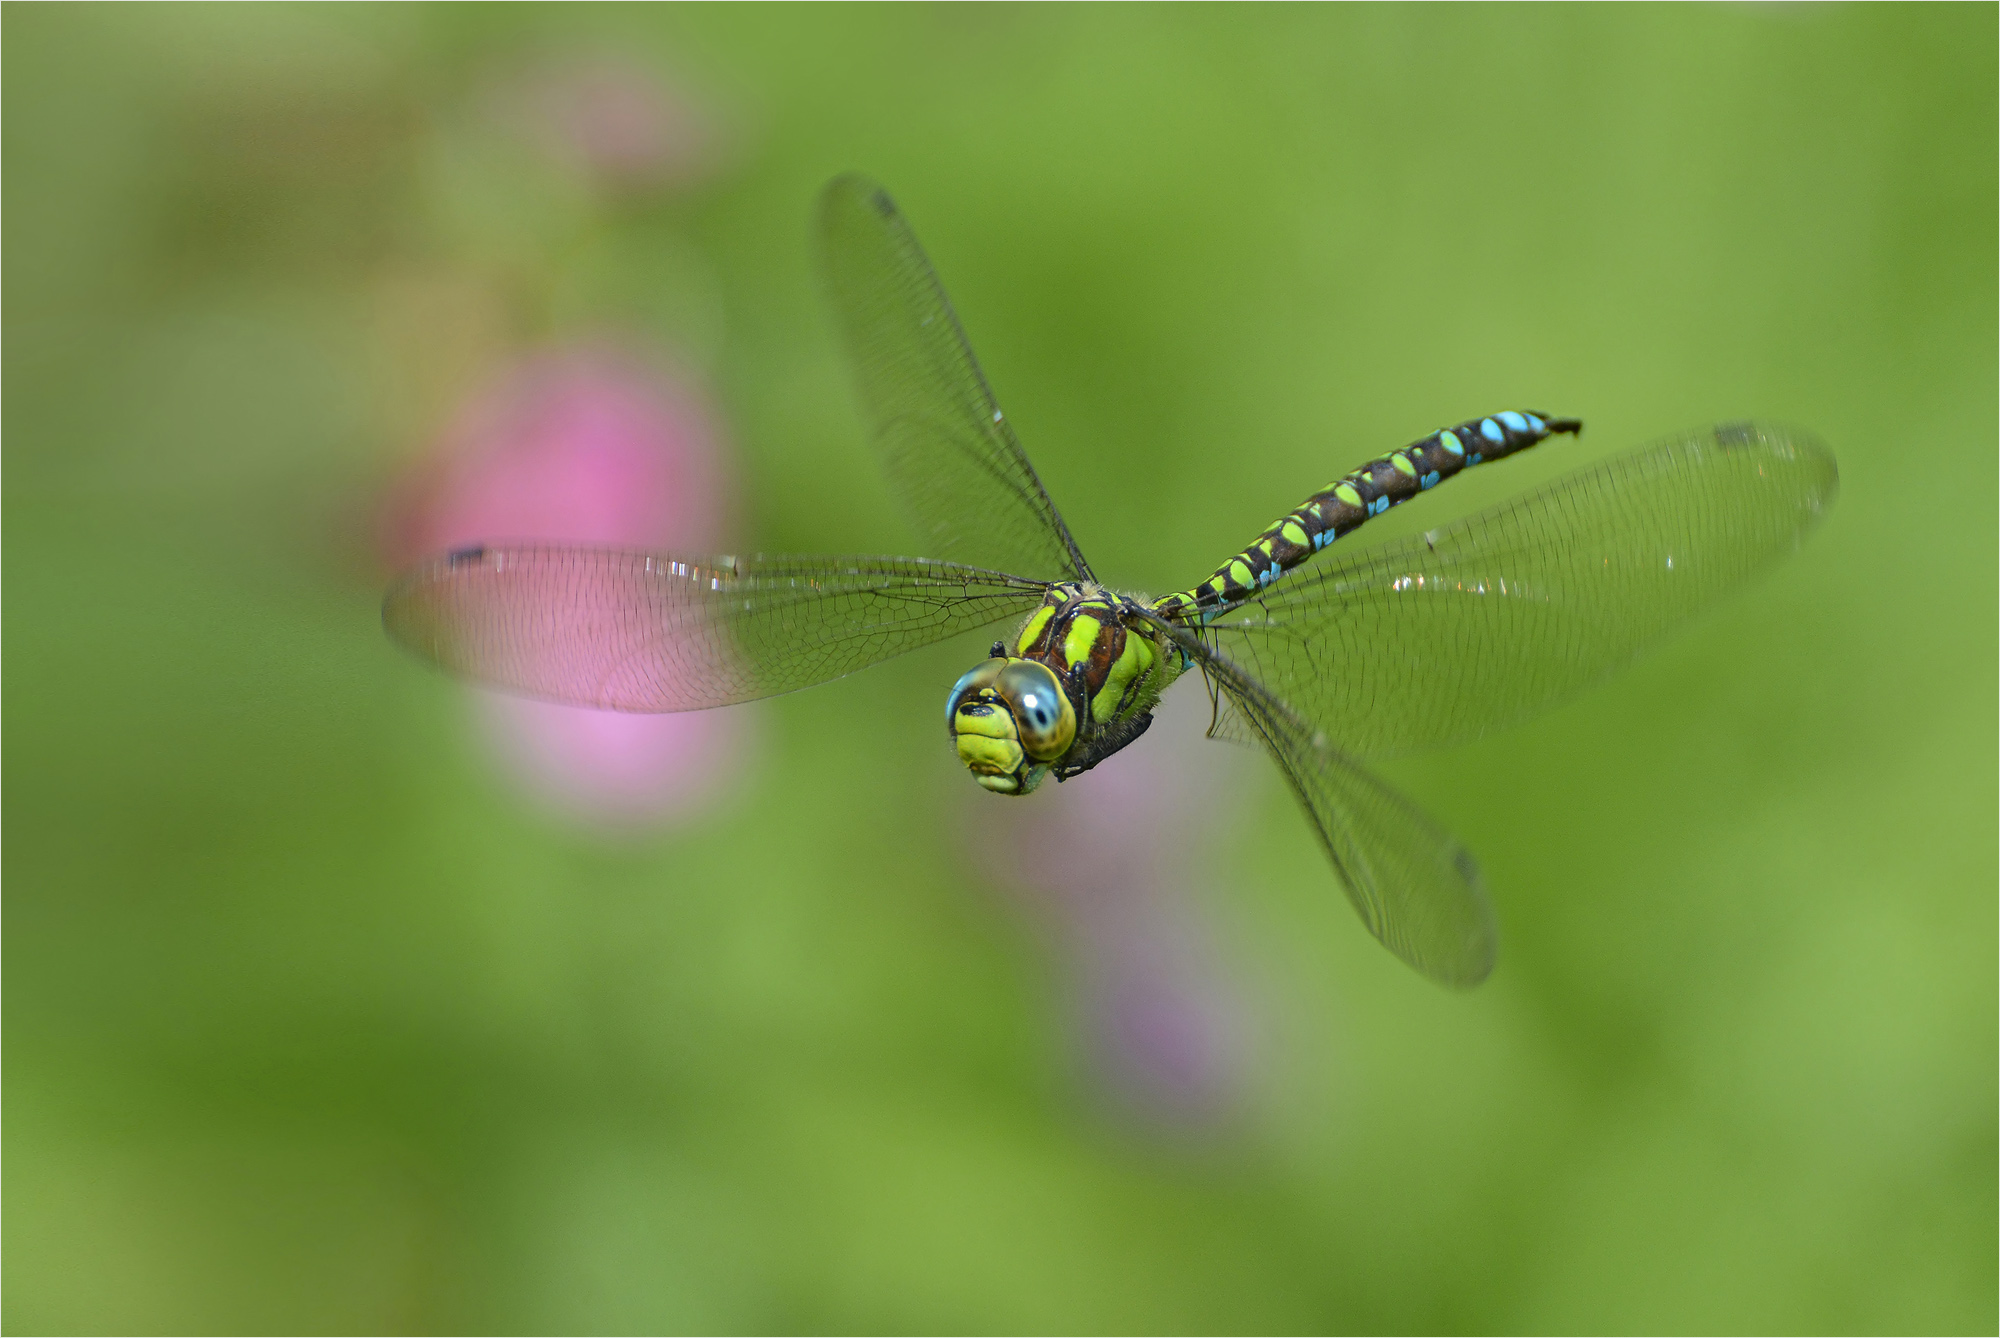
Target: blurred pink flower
(596,446)
(1111,862)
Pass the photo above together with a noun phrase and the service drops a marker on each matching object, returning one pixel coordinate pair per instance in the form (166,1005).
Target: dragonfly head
(1009,719)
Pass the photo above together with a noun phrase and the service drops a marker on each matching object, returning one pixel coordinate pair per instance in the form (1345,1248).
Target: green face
(1009,719)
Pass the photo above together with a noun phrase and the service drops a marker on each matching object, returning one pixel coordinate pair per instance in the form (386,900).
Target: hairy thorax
(1109,660)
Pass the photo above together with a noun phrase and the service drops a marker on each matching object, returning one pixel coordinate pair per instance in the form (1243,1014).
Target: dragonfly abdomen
(1347,503)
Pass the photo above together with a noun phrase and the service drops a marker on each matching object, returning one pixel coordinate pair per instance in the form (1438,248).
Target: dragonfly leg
(1101,745)
(1078,689)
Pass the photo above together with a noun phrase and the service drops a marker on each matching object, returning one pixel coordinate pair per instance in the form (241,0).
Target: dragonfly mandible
(1323,660)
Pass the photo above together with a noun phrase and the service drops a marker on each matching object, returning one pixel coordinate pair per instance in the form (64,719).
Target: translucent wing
(1414,886)
(949,451)
(1446,635)
(637,631)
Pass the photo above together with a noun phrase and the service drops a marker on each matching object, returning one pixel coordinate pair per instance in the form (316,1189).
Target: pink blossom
(596,446)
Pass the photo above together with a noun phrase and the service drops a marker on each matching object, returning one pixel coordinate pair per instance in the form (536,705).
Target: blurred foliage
(311,1025)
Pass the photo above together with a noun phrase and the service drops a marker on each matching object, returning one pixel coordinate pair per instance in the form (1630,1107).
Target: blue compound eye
(1046,720)
(980,675)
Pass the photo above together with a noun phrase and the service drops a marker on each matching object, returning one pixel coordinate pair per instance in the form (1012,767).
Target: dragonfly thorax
(1080,633)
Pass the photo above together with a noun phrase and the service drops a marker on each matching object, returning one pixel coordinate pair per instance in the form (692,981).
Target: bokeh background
(338,998)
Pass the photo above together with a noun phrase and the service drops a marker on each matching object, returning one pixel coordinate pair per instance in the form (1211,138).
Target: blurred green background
(314,1022)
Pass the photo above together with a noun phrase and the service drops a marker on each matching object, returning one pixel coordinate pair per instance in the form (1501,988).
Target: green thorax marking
(1344,505)
(1122,669)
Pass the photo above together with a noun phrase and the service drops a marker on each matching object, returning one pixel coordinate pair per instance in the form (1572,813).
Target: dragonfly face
(1010,719)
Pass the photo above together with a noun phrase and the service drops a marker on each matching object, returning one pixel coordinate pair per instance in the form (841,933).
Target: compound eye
(1046,719)
(979,676)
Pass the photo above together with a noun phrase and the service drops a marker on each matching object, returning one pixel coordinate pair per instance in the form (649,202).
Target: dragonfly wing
(1414,886)
(636,631)
(1444,636)
(948,449)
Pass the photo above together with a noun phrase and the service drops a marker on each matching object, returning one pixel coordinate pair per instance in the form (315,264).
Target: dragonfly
(1325,660)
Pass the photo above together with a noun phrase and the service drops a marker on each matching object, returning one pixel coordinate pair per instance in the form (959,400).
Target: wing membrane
(1448,634)
(1444,636)
(635,631)
(948,449)
(1414,886)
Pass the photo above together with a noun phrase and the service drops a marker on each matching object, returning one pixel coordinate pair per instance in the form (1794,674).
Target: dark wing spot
(458,557)
(1468,869)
